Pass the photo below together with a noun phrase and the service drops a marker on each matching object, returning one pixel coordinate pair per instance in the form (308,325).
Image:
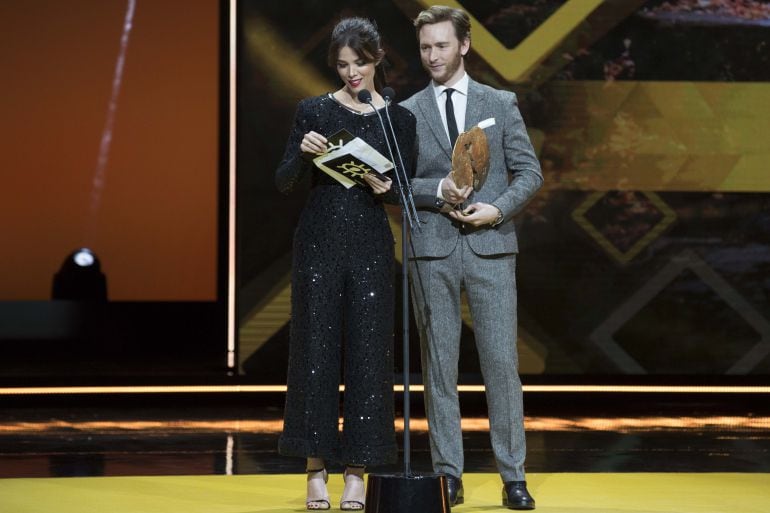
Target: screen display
(109,133)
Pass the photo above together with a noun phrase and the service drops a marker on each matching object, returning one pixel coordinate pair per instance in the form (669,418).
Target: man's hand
(451,193)
(477,214)
(377,185)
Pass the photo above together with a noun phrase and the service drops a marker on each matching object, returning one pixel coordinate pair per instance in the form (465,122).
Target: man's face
(442,53)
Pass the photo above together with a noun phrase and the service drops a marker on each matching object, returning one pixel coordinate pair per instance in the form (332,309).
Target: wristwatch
(499,218)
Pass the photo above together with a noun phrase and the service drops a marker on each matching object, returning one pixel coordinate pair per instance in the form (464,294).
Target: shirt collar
(461,86)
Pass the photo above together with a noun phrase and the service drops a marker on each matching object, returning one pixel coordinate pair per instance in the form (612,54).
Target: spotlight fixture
(80,278)
(84,257)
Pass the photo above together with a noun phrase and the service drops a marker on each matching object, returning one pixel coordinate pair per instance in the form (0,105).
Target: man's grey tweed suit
(447,258)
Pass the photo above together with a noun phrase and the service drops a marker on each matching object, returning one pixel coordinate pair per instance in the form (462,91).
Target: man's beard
(450,68)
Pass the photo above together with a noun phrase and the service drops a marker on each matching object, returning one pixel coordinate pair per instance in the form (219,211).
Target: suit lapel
(429,109)
(476,106)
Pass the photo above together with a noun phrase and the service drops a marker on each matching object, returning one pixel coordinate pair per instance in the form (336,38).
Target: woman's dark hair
(361,36)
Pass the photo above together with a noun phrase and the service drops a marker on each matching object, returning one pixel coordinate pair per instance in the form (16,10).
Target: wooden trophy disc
(470,159)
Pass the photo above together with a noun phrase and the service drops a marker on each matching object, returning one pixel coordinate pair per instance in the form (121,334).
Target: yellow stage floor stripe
(560,492)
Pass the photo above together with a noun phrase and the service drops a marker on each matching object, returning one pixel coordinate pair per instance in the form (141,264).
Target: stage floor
(220,456)
(186,439)
(554,492)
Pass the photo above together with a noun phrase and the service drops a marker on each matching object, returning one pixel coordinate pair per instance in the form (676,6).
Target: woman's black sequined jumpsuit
(342,298)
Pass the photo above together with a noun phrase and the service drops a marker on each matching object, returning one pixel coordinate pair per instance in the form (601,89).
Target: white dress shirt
(459,102)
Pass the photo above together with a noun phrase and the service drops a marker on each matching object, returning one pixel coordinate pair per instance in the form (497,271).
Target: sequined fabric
(342,300)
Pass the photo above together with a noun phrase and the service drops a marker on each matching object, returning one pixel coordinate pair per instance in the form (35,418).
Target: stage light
(80,278)
(84,257)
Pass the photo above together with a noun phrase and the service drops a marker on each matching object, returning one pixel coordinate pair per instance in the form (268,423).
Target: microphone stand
(407,492)
(408,203)
(365,96)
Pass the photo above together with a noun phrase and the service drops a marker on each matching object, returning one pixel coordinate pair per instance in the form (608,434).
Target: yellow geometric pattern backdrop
(517,64)
(629,135)
(623,256)
(668,136)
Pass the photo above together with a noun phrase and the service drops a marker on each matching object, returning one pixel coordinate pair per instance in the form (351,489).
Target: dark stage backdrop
(124,163)
(647,253)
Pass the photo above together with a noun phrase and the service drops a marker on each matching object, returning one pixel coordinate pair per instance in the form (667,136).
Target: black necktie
(451,123)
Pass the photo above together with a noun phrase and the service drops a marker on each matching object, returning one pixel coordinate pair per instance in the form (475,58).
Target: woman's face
(356,73)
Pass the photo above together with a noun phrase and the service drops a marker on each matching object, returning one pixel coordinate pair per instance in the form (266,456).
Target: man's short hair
(438,13)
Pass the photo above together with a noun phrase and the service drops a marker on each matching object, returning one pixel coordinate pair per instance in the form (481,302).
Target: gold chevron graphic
(266,320)
(517,64)
(631,135)
(661,136)
(532,352)
(624,257)
(285,66)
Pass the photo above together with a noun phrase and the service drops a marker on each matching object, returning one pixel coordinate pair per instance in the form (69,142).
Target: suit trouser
(490,286)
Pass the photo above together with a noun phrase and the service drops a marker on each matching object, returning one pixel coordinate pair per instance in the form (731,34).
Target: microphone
(389,94)
(364,96)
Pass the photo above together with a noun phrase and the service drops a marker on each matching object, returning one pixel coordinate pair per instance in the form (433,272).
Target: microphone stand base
(399,493)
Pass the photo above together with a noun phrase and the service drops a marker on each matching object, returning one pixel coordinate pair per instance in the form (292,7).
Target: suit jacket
(514,171)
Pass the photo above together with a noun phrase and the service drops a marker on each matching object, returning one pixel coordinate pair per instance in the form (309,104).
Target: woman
(342,280)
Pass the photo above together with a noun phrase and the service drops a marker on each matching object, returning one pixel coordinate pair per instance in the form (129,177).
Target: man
(471,247)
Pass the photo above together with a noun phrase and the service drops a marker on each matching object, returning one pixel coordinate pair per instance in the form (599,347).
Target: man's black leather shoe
(454,486)
(516,496)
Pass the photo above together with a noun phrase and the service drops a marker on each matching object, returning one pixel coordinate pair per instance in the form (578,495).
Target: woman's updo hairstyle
(361,36)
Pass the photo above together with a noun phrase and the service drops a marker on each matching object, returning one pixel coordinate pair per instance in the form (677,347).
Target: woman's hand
(313,143)
(377,185)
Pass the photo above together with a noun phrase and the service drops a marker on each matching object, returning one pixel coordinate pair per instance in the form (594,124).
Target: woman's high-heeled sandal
(317,495)
(354,493)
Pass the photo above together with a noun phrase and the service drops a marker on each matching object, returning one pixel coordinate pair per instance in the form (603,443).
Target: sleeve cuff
(439,197)
(500,217)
